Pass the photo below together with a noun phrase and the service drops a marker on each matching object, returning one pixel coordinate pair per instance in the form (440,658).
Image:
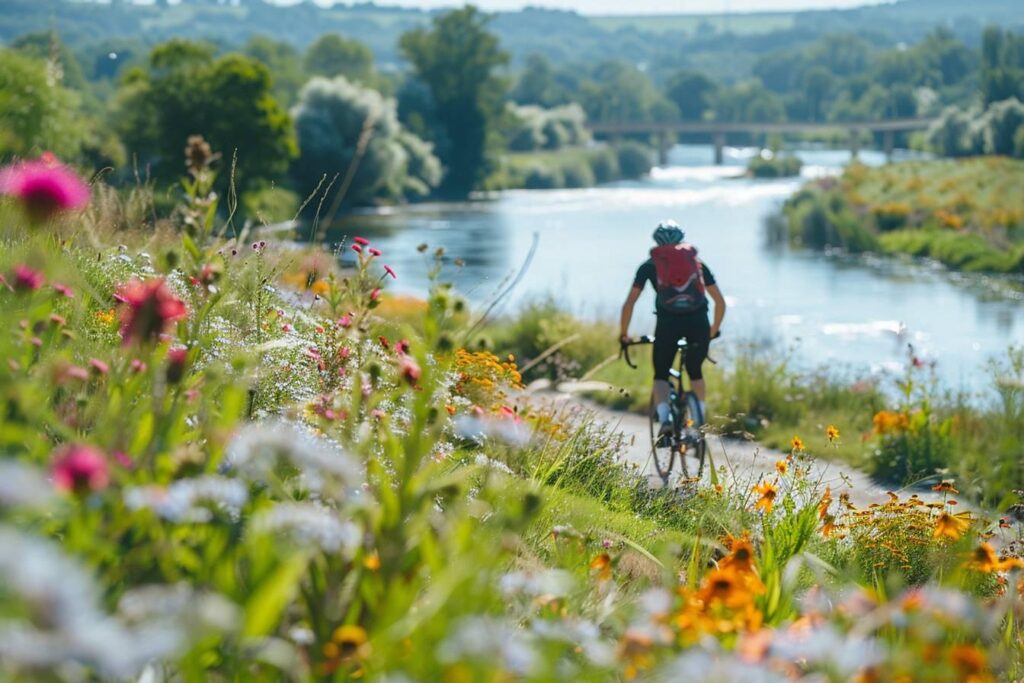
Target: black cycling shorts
(693,327)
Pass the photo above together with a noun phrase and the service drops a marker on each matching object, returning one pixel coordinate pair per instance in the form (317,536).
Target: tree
(456,58)
(284,63)
(227,100)
(333,55)
(620,92)
(538,84)
(690,92)
(343,125)
(747,102)
(1004,119)
(36,113)
(817,83)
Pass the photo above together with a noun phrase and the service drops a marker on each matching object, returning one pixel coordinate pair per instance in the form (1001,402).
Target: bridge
(719,130)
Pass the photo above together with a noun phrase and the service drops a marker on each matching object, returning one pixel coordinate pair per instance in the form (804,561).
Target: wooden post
(719,140)
(888,142)
(854,143)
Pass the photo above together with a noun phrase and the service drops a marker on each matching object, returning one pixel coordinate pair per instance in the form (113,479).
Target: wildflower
(984,559)
(375,294)
(372,561)
(124,460)
(190,500)
(361,241)
(99,366)
(829,526)
(22,486)
(44,187)
(384,342)
(602,564)
(375,251)
(311,525)
(797,444)
(768,491)
(390,271)
(945,486)
(177,359)
(826,501)
(356,248)
(149,308)
(970,662)
(78,468)
(26,279)
(950,526)
(741,554)
(402,347)
(58,320)
(64,290)
(832,432)
(345,321)
(138,366)
(782,466)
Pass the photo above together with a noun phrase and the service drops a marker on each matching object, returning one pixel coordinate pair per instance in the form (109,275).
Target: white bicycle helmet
(668,232)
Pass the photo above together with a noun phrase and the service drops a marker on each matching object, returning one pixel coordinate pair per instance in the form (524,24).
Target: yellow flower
(782,466)
(945,486)
(603,564)
(832,432)
(797,444)
(372,561)
(105,317)
(768,491)
(984,559)
(950,526)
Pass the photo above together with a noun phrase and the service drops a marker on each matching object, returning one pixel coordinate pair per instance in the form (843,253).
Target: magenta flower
(375,294)
(149,307)
(99,366)
(345,321)
(374,251)
(362,241)
(26,279)
(356,248)
(64,289)
(390,271)
(78,469)
(177,358)
(409,369)
(45,187)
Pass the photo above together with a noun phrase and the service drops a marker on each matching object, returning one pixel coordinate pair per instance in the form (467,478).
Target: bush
(892,215)
(774,167)
(578,174)
(635,160)
(542,177)
(605,165)
(1004,119)
(270,204)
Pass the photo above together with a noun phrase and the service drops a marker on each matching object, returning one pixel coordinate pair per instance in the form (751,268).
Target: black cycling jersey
(647,273)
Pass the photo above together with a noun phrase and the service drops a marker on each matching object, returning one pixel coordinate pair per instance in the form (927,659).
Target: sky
(642,6)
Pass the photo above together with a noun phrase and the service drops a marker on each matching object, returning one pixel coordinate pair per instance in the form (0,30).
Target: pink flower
(124,460)
(138,366)
(375,294)
(362,241)
(374,251)
(286,328)
(402,346)
(63,289)
(345,321)
(26,279)
(356,248)
(409,369)
(177,358)
(390,271)
(99,366)
(344,352)
(66,373)
(150,307)
(78,469)
(44,187)
(58,320)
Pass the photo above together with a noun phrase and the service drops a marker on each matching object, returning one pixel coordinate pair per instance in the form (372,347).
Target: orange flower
(797,444)
(603,564)
(832,432)
(826,501)
(768,491)
(741,554)
(829,526)
(970,662)
(372,561)
(945,486)
(782,466)
(950,526)
(984,559)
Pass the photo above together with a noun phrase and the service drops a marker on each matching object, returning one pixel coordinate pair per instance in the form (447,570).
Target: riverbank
(902,428)
(572,167)
(967,214)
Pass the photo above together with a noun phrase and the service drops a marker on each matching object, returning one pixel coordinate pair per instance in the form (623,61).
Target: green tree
(456,58)
(344,127)
(539,84)
(228,100)
(36,113)
(48,46)
(284,62)
(620,92)
(690,92)
(817,83)
(334,55)
(747,102)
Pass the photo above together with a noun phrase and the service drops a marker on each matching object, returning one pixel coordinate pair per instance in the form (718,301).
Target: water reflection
(857,312)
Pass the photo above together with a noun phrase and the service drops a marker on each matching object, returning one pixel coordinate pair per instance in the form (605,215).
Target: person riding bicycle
(682,283)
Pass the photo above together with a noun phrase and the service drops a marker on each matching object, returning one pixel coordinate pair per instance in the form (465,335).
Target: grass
(967,214)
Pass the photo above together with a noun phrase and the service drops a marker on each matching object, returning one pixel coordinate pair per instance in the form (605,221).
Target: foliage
(536,128)
(774,166)
(270,204)
(36,113)
(634,160)
(187,91)
(456,60)
(334,55)
(344,128)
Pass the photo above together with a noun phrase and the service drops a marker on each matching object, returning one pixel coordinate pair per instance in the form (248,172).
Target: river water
(854,315)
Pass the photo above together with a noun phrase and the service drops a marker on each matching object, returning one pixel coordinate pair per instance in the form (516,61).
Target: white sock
(664,414)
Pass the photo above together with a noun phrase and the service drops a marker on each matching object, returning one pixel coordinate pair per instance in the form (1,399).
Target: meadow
(223,458)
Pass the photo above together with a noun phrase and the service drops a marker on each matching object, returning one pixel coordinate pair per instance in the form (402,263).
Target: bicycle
(687,433)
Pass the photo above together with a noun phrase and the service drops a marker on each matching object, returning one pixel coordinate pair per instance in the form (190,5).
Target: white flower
(551,582)
(483,461)
(23,486)
(310,524)
(489,638)
(700,666)
(480,429)
(190,500)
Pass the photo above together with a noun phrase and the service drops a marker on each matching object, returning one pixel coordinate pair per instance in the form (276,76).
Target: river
(855,315)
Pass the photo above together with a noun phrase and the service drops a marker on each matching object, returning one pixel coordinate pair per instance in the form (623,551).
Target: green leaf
(264,608)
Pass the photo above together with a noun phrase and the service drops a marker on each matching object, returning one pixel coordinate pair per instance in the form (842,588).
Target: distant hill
(722,46)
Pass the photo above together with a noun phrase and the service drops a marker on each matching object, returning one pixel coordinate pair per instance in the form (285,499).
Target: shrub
(1004,119)
(543,177)
(892,215)
(774,167)
(635,160)
(270,204)
(605,165)
(578,174)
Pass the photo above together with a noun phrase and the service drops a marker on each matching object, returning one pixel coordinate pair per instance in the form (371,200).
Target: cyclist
(682,284)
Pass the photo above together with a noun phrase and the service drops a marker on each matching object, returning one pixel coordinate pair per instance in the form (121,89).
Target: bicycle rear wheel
(663,449)
(693,442)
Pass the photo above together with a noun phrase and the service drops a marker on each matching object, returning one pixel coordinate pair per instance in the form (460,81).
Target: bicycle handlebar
(624,347)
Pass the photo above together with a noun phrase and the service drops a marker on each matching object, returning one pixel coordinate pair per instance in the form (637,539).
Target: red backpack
(680,278)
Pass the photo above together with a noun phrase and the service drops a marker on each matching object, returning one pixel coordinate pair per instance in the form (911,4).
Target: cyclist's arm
(627,312)
(716,295)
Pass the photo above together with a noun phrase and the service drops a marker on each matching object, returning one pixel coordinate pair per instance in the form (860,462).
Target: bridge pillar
(888,143)
(663,147)
(854,143)
(719,140)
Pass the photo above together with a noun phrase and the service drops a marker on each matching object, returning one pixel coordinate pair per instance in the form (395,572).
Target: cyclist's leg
(698,337)
(666,337)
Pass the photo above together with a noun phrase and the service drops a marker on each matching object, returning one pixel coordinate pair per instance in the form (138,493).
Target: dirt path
(737,461)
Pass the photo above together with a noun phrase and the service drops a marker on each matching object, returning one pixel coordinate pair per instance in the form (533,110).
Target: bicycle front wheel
(663,447)
(694,443)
